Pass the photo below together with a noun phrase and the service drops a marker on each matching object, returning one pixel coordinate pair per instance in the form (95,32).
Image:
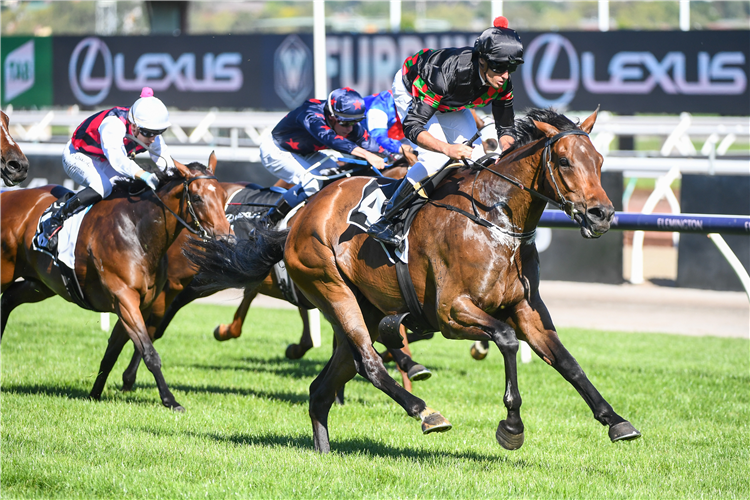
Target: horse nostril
(14,166)
(601,213)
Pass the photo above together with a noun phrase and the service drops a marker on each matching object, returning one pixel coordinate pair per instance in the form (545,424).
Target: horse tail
(232,262)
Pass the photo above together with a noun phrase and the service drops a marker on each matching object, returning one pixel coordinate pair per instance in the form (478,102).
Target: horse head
(203,199)
(573,170)
(15,166)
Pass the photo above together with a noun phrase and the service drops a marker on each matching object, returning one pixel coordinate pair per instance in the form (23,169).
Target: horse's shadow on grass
(288,397)
(278,366)
(364,446)
(46,390)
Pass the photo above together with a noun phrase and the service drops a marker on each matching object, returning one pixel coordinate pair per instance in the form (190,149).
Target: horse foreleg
(132,321)
(117,340)
(296,351)
(535,323)
(21,292)
(234,329)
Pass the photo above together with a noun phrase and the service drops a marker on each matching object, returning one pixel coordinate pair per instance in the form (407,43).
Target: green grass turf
(246,432)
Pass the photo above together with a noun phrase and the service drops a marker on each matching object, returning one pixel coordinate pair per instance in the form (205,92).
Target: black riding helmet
(500,46)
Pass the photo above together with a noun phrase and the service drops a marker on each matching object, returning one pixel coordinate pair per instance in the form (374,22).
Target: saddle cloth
(250,202)
(67,236)
(369,209)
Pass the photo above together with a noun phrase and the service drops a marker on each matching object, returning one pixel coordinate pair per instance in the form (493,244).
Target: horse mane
(136,185)
(526,132)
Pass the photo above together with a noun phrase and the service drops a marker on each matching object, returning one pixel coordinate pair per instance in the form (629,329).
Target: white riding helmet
(149,112)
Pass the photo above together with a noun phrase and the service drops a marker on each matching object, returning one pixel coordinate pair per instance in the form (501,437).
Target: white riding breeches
(453,128)
(294,168)
(90,172)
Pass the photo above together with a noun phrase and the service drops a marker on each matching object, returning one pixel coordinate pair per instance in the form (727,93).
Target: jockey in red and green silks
(433,91)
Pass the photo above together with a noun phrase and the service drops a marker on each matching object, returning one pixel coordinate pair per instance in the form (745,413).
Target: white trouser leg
(89,172)
(453,128)
(293,168)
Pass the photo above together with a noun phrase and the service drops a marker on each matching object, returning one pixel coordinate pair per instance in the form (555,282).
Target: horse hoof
(295,351)
(507,439)
(623,431)
(178,409)
(127,388)
(220,333)
(478,351)
(418,372)
(434,422)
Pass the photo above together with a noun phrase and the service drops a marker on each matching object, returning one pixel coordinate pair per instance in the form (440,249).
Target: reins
(564,206)
(201,231)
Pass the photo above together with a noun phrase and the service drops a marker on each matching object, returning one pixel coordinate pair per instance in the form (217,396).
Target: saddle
(65,264)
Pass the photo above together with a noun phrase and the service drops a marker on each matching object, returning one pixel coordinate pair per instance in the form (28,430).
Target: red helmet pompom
(500,22)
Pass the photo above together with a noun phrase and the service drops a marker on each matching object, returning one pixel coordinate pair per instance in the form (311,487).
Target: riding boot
(383,230)
(49,227)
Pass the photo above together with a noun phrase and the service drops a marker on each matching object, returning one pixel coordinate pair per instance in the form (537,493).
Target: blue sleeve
(381,137)
(316,126)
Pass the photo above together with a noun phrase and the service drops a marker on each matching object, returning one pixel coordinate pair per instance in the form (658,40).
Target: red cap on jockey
(500,46)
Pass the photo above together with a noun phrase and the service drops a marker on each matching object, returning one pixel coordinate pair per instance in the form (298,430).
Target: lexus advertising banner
(626,72)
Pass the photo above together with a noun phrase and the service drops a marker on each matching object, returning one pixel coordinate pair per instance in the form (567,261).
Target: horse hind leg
(130,373)
(21,292)
(323,390)
(297,351)
(234,329)
(117,340)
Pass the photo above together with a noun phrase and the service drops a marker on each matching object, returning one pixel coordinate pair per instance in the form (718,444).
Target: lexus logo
(90,90)
(542,89)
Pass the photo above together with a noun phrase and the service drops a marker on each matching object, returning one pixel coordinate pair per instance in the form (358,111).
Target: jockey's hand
(409,154)
(150,179)
(459,151)
(506,142)
(376,161)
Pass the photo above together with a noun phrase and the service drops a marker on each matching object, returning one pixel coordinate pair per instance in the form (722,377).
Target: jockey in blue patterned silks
(384,125)
(292,151)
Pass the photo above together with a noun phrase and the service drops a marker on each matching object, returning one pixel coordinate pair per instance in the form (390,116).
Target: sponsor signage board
(187,71)
(26,72)
(624,71)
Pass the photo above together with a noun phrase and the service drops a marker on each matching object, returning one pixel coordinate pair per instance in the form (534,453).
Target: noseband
(200,231)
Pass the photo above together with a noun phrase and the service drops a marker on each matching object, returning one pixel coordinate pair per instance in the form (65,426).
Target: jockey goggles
(150,133)
(501,67)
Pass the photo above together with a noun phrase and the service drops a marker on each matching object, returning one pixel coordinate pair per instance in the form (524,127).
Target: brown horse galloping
(15,165)
(472,260)
(118,255)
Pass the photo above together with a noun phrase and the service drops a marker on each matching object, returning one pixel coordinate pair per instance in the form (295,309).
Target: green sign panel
(26,80)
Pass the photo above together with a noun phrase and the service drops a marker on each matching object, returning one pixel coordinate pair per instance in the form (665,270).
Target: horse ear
(212,162)
(588,124)
(6,120)
(184,171)
(548,129)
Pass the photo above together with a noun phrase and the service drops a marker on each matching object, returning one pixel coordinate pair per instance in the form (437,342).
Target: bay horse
(471,258)
(15,165)
(118,255)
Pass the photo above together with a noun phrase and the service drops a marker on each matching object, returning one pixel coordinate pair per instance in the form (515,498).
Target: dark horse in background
(472,260)
(119,254)
(15,166)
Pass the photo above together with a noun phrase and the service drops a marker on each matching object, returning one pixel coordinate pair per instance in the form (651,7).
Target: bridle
(565,205)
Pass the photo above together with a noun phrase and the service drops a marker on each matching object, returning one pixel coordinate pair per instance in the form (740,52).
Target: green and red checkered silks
(420,90)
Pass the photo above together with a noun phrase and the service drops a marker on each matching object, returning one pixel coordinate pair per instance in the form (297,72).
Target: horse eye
(197,199)
(564,162)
